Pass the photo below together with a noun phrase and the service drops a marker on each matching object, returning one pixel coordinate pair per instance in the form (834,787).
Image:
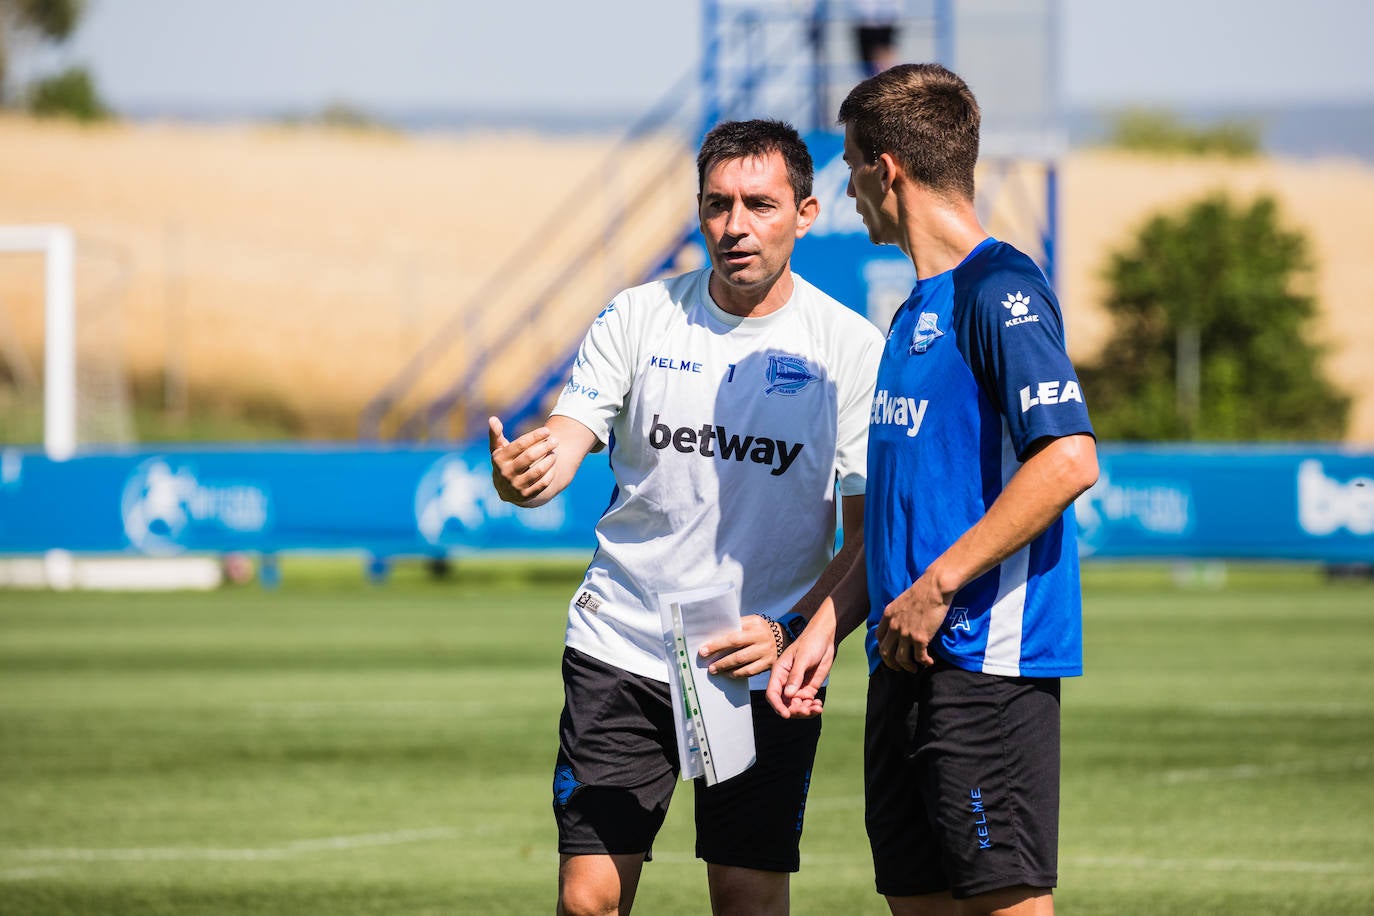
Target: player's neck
(937,234)
(752,302)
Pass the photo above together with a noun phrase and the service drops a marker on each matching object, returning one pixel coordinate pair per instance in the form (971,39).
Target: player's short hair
(925,117)
(747,139)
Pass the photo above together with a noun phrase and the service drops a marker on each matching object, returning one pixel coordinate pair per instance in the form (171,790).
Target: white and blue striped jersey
(728,436)
(973,373)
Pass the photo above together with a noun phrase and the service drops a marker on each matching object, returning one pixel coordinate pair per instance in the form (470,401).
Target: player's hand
(799,673)
(909,625)
(522,469)
(744,652)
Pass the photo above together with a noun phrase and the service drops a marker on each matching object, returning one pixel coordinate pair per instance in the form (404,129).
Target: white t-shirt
(727,436)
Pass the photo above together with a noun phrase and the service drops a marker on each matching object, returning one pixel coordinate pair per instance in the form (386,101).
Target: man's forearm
(846,605)
(851,552)
(831,577)
(849,601)
(1037,494)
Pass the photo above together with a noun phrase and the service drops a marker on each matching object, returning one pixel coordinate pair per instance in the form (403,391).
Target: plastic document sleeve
(715,725)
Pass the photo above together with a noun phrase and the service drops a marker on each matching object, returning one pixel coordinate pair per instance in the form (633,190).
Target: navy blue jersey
(973,374)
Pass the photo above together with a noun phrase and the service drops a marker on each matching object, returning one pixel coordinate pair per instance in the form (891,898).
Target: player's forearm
(850,598)
(845,606)
(1037,494)
(834,573)
(852,512)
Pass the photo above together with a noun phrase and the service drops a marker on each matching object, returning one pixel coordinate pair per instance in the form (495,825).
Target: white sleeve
(855,395)
(602,372)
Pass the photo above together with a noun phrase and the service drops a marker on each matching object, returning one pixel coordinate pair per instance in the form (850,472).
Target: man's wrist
(780,639)
(946,581)
(792,625)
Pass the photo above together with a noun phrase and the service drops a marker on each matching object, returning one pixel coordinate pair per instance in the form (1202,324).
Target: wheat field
(307,265)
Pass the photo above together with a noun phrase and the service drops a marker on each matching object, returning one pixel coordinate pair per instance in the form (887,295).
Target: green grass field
(336,748)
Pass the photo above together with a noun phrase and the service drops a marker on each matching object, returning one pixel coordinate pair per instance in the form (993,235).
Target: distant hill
(1297,131)
(1302,131)
(557,122)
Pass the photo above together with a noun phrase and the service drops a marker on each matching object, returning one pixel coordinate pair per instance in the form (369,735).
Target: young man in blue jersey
(979,442)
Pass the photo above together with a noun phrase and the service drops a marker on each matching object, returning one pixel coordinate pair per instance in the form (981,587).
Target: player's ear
(887,170)
(807,211)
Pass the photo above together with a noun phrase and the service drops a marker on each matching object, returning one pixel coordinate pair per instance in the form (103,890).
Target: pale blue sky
(625,54)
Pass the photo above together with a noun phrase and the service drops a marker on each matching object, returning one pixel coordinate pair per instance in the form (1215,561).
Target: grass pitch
(332,747)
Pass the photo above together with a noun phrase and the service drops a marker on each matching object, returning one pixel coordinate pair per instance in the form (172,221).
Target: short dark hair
(746,139)
(925,117)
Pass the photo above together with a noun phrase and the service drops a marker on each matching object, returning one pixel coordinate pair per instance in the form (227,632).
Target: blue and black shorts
(961,781)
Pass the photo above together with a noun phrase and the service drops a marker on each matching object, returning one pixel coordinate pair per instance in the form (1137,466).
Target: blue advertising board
(1243,502)
(396,501)
(1263,502)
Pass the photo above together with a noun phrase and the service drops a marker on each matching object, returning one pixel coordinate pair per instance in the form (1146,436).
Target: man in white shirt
(733,399)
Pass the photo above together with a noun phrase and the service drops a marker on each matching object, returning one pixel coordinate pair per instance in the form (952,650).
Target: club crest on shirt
(927,330)
(787,375)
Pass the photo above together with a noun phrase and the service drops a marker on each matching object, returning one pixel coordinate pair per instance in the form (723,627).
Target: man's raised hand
(521,470)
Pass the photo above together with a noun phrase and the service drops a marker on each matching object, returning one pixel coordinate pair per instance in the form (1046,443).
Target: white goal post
(58,247)
(58,568)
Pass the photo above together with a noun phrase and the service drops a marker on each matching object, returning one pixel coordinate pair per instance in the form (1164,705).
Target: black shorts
(618,764)
(961,781)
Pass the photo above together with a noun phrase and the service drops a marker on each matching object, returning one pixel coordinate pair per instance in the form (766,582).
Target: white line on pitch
(186,853)
(23,874)
(1262,770)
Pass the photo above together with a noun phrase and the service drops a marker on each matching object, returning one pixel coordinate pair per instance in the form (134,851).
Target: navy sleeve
(1017,355)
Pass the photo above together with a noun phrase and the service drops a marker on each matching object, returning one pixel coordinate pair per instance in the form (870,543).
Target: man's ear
(806,215)
(887,170)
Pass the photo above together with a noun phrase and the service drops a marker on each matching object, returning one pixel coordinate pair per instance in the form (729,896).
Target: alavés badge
(787,375)
(926,332)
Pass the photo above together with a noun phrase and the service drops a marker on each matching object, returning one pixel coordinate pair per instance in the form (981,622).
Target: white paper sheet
(715,725)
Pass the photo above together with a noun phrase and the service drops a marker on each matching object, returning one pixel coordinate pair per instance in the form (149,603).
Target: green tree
(1210,342)
(1154,131)
(70,94)
(48,20)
